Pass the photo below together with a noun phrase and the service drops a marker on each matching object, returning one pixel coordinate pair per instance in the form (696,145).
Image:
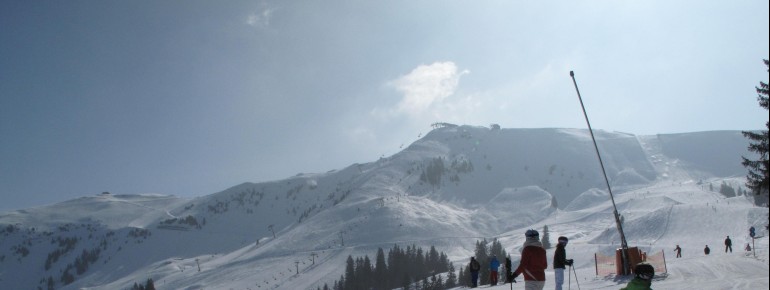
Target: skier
(494,265)
(474,267)
(728,244)
(533,262)
(508,270)
(643,274)
(748,248)
(707,250)
(560,261)
(678,251)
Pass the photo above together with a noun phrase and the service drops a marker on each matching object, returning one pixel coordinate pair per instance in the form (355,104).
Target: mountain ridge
(454,185)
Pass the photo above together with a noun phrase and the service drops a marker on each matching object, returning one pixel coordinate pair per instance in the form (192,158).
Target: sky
(192,97)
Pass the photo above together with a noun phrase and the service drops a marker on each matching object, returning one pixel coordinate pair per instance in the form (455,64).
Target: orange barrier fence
(607,265)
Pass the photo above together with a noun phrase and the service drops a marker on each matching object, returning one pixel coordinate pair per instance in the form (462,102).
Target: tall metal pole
(623,244)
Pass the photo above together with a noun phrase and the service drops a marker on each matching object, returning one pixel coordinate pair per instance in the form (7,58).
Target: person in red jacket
(533,262)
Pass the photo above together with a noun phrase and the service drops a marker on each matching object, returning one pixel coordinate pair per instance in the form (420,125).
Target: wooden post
(596,264)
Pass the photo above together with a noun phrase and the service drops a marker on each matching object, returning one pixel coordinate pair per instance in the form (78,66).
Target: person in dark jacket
(706,250)
(508,270)
(474,267)
(560,261)
(533,262)
(494,265)
(728,244)
(678,251)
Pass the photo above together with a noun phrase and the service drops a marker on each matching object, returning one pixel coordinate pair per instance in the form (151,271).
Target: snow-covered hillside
(456,185)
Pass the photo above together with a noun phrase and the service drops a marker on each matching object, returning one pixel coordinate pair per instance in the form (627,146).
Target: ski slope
(453,187)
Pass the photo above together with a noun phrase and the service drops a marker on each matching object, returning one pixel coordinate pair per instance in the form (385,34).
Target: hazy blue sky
(191,97)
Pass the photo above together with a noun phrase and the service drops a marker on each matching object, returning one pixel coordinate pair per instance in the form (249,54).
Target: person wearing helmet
(560,262)
(643,274)
(533,262)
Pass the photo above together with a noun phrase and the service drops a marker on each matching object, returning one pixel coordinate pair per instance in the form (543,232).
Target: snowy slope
(456,185)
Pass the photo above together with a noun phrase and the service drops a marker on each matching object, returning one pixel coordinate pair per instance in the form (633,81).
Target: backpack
(475,266)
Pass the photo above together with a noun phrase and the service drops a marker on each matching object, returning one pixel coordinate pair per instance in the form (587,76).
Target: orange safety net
(609,264)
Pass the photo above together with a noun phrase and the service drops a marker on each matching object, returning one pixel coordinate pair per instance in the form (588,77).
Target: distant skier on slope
(533,262)
(728,244)
(678,251)
(706,250)
(643,274)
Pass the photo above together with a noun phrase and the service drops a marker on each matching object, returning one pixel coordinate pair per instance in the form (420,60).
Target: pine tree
(726,190)
(433,259)
(757,179)
(419,262)
(483,257)
(444,263)
(406,281)
(409,266)
(341,285)
(137,287)
(150,285)
(439,284)
(545,240)
(380,271)
(451,280)
(496,249)
(436,282)
(350,273)
(366,276)
(462,280)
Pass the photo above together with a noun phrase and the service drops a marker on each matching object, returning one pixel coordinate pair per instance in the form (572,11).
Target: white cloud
(261,18)
(426,86)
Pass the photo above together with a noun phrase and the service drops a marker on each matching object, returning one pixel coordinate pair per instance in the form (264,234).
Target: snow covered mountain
(456,185)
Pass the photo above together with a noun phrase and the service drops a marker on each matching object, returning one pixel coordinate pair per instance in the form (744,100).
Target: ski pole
(569,283)
(576,278)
